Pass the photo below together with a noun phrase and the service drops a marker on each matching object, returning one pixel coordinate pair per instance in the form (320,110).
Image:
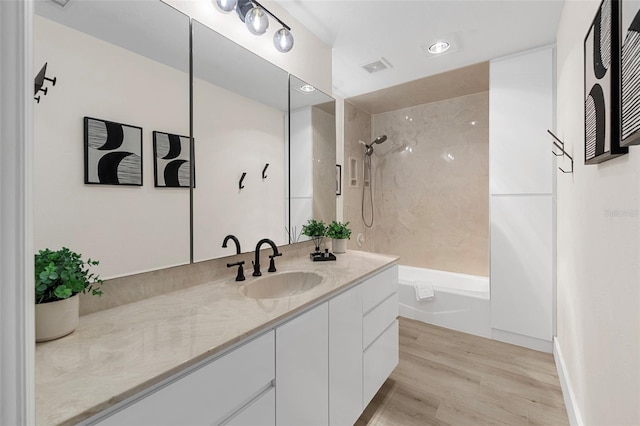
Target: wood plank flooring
(450,378)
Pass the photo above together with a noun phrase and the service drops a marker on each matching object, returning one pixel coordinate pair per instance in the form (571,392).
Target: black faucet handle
(272,263)
(240,275)
(256,269)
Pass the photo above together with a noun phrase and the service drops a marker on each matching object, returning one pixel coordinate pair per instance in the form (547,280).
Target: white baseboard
(575,419)
(521,340)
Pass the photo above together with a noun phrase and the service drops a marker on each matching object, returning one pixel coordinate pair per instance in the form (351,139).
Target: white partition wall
(521,183)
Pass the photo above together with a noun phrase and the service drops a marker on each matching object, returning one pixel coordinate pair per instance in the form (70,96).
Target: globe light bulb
(226,6)
(283,40)
(257,21)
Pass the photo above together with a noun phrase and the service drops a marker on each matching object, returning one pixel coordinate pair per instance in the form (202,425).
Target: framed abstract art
(601,86)
(112,153)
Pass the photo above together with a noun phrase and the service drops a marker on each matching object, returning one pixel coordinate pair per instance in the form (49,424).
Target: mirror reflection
(125,65)
(240,107)
(312,156)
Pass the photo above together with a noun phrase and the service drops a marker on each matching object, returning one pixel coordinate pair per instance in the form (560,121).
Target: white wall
(237,135)
(130,229)
(598,252)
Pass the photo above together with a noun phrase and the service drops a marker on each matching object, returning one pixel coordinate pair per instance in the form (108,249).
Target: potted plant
(316,230)
(59,277)
(339,234)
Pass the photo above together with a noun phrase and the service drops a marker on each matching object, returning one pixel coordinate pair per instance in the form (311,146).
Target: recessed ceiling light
(473,123)
(307,88)
(439,47)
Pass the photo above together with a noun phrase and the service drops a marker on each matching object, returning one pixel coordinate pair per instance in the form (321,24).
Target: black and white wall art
(112,153)
(630,65)
(171,158)
(601,86)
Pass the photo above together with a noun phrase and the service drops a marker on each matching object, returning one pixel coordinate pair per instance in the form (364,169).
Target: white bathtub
(461,301)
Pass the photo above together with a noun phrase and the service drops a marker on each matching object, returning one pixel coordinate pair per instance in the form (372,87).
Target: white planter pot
(339,246)
(57,319)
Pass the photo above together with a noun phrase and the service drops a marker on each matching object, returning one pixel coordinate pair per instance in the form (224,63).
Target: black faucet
(272,264)
(240,275)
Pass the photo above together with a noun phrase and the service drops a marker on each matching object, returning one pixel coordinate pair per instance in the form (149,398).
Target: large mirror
(122,68)
(240,110)
(315,179)
(125,66)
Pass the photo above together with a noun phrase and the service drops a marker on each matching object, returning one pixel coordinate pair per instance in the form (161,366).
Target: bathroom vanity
(216,354)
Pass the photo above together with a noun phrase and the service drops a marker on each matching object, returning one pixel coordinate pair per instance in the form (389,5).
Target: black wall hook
(240,185)
(264,171)
(39,82)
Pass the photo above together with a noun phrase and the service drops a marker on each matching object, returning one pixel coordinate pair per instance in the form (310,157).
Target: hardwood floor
(450,378)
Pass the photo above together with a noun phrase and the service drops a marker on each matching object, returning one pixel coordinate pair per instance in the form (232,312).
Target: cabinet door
(345,357)
(522,265)
(261,412)
(209,394)
(520,112)
(302,369)
(379,361)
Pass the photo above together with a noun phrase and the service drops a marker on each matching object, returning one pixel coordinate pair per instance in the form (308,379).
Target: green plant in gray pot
(339,234)
(59,277)
(315,229)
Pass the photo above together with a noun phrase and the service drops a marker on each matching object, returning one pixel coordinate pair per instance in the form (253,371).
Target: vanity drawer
(379,360)
(379,287)
(208,394)
(377,320)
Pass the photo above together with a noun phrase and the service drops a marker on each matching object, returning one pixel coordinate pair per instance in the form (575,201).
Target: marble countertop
(119,352)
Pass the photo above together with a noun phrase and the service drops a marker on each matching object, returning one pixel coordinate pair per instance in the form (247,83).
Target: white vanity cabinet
(302,369)
(320,367)
(229,388)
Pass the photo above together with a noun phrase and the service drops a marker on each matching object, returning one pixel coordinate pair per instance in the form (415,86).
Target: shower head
(369,148)
(380,139)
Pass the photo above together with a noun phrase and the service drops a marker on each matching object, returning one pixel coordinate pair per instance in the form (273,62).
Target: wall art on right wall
(630,70)
(601,86)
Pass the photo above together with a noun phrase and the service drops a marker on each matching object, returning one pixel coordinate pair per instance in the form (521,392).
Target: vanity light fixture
(254,15)
(439,47)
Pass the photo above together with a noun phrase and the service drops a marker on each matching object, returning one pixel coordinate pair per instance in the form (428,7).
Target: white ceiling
(362,32)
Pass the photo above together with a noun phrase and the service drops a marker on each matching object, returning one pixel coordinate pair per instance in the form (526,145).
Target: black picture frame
(338,179)
(629,73)
(112,153)
(171,160)
(602,86)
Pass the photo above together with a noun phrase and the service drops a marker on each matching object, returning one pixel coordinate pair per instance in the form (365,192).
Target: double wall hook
(557,143)
(240,185)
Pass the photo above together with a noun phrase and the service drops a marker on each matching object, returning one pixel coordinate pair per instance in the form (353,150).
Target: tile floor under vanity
(450,378)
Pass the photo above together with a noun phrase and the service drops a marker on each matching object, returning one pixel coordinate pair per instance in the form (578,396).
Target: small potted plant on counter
(59,277)
(339,234)
(315,229)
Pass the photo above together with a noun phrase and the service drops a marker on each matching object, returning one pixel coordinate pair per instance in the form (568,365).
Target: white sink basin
(285,284)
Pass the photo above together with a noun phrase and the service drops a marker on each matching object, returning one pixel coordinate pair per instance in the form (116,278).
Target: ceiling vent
(376,66)
(61,3)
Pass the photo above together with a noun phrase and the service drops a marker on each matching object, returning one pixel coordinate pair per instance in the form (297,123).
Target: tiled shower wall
(430,183)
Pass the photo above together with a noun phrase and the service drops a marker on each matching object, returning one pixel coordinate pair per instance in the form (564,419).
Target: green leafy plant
(314,228)
(61,274)
(338,231)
